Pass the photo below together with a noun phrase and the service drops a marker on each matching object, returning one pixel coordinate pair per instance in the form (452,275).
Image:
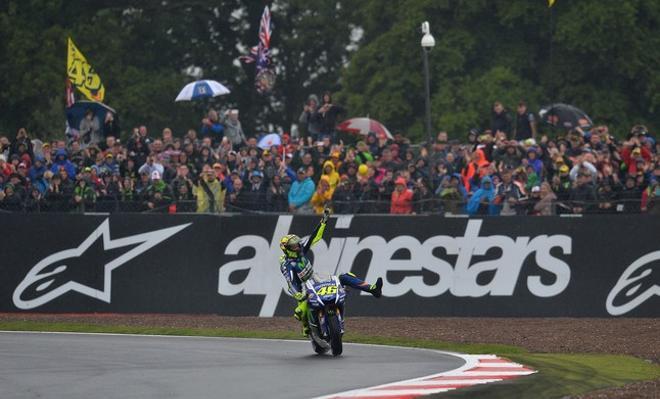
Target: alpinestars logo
(61,272)
(637,284)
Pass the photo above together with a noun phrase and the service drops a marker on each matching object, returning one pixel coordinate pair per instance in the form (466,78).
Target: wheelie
(320,298)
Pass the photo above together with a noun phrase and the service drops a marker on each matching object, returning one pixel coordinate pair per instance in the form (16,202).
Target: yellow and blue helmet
(291,246)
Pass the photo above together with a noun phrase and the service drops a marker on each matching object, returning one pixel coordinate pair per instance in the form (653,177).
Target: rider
(297,269)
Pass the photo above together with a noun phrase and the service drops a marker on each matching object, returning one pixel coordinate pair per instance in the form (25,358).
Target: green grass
(560,374)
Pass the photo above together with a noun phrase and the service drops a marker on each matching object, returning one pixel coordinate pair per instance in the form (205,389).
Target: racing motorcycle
(325,297)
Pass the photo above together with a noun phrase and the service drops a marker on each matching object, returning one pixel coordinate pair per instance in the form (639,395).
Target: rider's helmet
(291,246)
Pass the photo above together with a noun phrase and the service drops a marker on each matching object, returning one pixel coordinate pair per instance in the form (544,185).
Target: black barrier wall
(432,266)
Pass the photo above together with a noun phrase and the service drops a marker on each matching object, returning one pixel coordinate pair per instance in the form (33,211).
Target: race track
(43,365)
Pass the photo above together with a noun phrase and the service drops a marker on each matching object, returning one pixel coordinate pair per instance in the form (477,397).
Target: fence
(425,206)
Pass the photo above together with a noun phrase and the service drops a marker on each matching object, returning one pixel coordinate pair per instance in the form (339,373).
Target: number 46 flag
(82,75)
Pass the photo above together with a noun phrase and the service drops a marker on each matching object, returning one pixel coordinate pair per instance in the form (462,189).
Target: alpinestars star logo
(637,284)
(61,272)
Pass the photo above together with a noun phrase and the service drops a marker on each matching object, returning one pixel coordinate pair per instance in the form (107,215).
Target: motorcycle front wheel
(335,335)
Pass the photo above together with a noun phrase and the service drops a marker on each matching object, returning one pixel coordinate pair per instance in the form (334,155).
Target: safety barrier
(597,266)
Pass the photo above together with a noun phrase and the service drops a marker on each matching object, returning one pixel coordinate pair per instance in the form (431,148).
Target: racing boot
(377,289)
(298,313)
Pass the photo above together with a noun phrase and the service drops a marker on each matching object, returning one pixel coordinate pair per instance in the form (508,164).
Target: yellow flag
(551,3)
(82,75)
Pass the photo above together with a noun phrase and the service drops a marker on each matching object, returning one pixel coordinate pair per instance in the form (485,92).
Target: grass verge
(560,374)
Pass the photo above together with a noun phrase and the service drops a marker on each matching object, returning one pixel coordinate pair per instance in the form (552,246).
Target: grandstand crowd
(509,168)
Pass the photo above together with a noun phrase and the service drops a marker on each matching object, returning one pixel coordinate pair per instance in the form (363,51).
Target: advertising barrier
(600,266)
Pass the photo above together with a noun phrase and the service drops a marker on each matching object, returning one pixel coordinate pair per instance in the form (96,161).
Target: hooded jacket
(65,163)
(333,176)
(319,200)
(474,204)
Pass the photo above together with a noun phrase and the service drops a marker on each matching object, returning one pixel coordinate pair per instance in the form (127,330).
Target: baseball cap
(302,170)
(22,165)
(155,175)
(563,169)
(536,189)
(109,155)
(256,173)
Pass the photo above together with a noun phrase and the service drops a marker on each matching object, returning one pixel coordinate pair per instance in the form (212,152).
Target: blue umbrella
(201,89)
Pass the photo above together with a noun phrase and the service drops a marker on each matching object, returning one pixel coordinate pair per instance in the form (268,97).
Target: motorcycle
(325,297)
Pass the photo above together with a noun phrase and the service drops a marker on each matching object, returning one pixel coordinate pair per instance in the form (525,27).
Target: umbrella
(564,115)
(201,89)
(364,126)
(269,140)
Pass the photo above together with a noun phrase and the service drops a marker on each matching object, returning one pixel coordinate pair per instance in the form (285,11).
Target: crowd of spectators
(510,168)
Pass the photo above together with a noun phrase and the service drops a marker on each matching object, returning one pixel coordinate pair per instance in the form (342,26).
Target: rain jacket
(301,192)
(203,199)
(474,204)
(478,164)
(333,176)
(65,163)
(320,200)
(402,202)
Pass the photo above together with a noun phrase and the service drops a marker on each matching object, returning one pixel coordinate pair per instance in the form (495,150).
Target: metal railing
(427,206)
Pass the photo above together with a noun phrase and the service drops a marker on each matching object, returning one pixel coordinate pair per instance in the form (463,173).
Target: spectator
(311,120)
(529,204)
(363,155)
(255,192)
(10,200)
(62,162)
(152,165)
(111,126)
(344,197)
(211,127)
(183,199)
(422,197)
(583,195)
(508,195)
(452,194)
(330,113)
(234,129)
(84,196)
(90,129)
(481,202)
(525,123)
(500,120)
(301,193)
(210,192)
(401,198)
(329,171)
(630,197)
(34,202)
(546,203)
(276,195)
(322,196)
(650,201)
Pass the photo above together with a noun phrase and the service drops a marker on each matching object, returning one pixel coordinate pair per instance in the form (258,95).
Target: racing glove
(299,296)
(326,215)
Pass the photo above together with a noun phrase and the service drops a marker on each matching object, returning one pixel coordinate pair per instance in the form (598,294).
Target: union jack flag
(260,55)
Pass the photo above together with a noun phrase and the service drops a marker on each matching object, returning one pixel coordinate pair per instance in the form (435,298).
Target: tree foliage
(603,56)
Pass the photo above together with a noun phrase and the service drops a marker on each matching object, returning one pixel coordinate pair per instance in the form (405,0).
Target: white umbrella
(269,140)
(201,89)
